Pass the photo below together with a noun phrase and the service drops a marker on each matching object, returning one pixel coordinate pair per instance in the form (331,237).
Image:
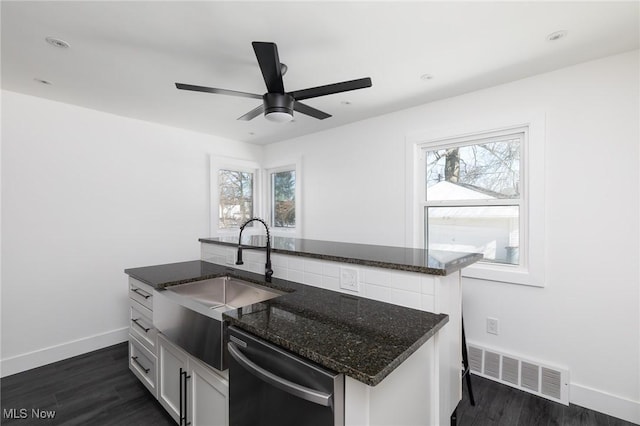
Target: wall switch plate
(231,259)
(349,279)
(492,325)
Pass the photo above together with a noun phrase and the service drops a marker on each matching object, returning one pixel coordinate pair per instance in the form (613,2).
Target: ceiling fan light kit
(278,105)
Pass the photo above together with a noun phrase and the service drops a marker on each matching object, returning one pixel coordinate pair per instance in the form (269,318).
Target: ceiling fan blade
(267,55)
(312,112)
(253,113)
(217,91)
(330,89)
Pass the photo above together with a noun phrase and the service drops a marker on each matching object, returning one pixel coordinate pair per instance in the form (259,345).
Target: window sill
(503,273)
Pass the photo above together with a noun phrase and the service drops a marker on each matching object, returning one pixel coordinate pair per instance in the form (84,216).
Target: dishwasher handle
(302,392)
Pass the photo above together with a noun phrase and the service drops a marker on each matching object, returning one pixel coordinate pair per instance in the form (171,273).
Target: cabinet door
(171,361)
(208,396)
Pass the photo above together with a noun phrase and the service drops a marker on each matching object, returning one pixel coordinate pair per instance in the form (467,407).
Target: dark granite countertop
(434,262)
(362,338)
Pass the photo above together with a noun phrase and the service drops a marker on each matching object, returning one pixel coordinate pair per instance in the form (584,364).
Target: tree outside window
(236,198)
(283,196)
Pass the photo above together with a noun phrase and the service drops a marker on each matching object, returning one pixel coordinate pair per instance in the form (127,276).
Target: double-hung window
(482,192)
(474,197)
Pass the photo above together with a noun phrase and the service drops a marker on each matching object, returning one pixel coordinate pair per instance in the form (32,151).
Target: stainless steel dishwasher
(269,386)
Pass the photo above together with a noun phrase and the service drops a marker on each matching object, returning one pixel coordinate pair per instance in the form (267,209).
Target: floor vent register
(530,376)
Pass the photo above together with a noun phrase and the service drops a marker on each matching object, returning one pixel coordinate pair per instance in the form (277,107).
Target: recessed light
(557,35)
(57,42)
(426,77)
(39,80)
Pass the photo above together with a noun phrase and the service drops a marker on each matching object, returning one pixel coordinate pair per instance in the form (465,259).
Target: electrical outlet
(492,325)
(349,279)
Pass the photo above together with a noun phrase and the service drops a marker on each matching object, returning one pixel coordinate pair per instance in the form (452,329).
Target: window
(282,189)
(473,197)
(481,191)
(243,189)
(282,197)
(234,197)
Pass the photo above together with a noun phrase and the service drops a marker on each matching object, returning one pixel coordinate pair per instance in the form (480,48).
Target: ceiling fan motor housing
(278,102)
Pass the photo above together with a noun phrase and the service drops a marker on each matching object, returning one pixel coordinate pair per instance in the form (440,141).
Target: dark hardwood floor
(98,389)
(91,389)
(498,404)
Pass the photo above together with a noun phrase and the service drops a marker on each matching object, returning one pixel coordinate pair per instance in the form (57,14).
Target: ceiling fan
(278,105)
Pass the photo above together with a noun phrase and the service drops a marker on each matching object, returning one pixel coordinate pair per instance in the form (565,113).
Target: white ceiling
(126,56)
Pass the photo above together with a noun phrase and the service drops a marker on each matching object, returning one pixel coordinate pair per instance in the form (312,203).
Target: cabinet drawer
(141,293)
(143,364)
(141,325)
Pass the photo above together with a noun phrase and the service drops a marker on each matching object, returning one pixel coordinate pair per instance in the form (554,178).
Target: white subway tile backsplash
(377,276)
(254,256)
(377,292)
(428,284)
(296,276)
(406,281)
(296,263)
(281,273)
(211,249)
(312,279)
(255,267)
(428,303)
(410,289)
(313,266)
(278,260)
(331,283)
(331,269)
(409,299)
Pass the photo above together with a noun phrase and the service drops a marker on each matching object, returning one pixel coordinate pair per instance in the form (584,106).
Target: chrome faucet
(268,272)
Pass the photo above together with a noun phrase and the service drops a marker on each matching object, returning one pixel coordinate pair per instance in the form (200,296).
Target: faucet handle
(239,260)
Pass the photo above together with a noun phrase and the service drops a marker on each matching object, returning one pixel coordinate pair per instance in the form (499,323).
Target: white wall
(587,316)
(85,195)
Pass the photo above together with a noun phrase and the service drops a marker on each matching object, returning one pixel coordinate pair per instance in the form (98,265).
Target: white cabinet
(172,363)
(142,334)
(208,397)
(192,393)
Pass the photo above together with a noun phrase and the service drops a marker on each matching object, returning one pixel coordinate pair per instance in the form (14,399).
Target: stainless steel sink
(224,291)
(190,315)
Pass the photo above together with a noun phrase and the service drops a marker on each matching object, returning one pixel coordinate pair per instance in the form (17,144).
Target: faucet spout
(268,272)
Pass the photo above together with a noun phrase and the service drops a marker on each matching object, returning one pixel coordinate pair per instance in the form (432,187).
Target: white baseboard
(605,403)
(44,356)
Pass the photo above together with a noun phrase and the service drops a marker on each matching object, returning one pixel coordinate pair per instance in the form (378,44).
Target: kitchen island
(401,364)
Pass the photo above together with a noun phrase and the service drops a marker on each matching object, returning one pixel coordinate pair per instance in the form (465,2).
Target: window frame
(532,210)
(233,164)
(295,166)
